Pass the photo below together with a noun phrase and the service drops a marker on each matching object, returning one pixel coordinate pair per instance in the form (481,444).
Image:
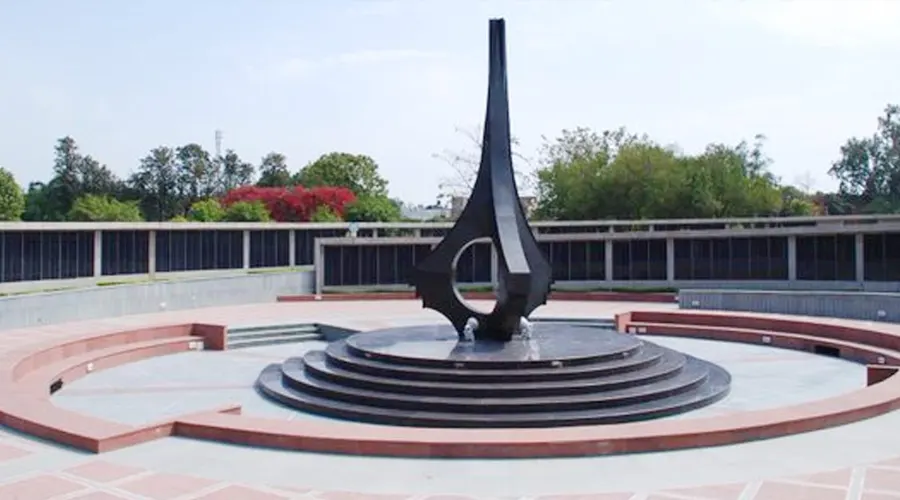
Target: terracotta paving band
(653,297)
(27,373)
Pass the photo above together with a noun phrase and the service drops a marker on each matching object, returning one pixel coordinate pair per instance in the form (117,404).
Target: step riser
(482,390)
(486,365)
(290,326)
(337,357)
(383,400)
(271,341)
(274,333)
(285,396)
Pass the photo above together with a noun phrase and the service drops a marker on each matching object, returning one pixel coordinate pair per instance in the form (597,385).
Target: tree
(273,171)
(620,175)
(324,214)
(100,208)
(358,173)
(247,211)
(209,210)
(869,168)
(464,165)
(233,172)
(157,184)
(296,204)
(199,175)
(373,209)
(12,200)
(76,175)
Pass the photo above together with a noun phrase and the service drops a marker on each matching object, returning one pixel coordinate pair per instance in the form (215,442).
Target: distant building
(424,213)
(458,203)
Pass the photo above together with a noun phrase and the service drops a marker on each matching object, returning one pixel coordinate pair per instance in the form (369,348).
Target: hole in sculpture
(472,272)
(825,350)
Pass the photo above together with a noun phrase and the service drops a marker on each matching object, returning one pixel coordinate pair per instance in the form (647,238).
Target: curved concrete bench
(29,376)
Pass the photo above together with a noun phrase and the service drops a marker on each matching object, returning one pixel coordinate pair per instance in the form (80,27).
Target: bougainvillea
(293,204)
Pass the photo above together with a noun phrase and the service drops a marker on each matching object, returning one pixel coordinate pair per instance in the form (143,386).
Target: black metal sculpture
(493,211)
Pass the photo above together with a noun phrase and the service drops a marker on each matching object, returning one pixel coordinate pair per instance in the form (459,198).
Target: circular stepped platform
(566,374)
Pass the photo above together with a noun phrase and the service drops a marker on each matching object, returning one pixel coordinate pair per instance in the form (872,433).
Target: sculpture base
(564,375)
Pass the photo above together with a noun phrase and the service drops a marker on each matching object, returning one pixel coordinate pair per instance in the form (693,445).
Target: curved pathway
(855,461)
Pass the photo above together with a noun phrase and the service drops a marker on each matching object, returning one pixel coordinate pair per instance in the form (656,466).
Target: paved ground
(860,460)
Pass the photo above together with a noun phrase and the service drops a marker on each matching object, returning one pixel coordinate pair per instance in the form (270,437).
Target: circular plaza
(163,405)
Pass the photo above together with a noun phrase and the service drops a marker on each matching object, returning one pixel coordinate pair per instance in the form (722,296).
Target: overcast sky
(394,79)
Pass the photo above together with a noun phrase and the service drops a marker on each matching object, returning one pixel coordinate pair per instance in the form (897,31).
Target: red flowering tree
(293,204)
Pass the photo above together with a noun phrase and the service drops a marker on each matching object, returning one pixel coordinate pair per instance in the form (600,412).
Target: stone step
(250,331)
(271,384)
(272,339)
(316,365)
(338,355)
(691,377)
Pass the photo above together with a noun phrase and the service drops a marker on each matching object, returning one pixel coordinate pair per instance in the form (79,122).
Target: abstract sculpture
(493,211)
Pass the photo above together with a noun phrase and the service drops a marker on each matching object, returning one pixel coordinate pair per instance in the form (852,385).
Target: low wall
(19,311)
(849,305)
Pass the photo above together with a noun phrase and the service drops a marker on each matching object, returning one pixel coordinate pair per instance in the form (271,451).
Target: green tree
(618,175)
(247,211)
(358,173)
(157,185)
(324,214)
(373,209)
(100,208)
(234,172)
(274,172)
(74,175)
(209,210)
(12,200)
(869,167)
(199,176)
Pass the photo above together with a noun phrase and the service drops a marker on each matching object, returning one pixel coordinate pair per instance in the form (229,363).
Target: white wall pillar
(319,266)
(246,241)
(860,257)
(151,254)
(292,248)
(608,260)
(670,260)
(792,258)
(98,253)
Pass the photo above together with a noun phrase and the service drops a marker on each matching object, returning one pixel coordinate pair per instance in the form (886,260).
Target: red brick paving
(713,492)
(242,493)
(350,495)
(10,452)
(99,495)
(839,478)
(787,491)
(103,472)
(43,487)
(164,486)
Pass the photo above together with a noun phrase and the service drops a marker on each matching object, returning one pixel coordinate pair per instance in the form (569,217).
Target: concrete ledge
(22,311)
(850,305)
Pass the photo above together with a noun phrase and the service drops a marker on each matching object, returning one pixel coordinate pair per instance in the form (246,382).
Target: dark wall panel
(46,255)
(735,259)
(199,250)
(270,249)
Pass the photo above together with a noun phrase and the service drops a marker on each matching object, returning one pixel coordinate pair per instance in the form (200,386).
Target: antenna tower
(218,143)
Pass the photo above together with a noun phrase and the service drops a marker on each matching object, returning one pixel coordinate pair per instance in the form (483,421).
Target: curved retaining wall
(20,311)
(849,305)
